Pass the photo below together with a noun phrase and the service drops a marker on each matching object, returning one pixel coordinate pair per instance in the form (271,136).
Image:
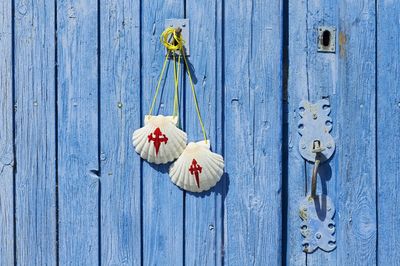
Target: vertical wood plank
(313,76)
(120,115)
(162,202)
(253,131)
(356,150)
(388,115)
(35,121)
(6,137)
(78,158)
(203,216)
(297,90)
(322,74)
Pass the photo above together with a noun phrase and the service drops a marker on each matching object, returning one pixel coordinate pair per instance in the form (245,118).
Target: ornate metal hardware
(315,125)
(316,145)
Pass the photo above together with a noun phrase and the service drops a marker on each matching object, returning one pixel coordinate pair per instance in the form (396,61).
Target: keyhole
(326,38)
(316,144)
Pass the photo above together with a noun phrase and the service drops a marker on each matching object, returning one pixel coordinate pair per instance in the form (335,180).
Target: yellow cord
(177,45)
(158,85)
(176,81)
(178,42)
(194,95)
(170,47)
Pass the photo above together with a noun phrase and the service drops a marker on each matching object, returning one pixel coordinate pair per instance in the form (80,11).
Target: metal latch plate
(315,125)
(317,225)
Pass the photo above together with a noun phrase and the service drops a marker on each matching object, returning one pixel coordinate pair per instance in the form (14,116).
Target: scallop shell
(198,168)
(160,140)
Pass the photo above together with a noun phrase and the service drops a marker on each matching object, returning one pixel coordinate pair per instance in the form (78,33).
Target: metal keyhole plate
(326,39)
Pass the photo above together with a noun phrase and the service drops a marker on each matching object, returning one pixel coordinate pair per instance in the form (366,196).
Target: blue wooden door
(78,76)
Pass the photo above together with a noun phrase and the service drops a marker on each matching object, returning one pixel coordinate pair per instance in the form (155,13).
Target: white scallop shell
(197,161)
(171,140)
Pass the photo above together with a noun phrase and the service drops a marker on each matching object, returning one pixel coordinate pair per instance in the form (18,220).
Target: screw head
(318,235)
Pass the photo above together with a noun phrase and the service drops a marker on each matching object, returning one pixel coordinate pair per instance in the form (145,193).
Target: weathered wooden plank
(6,137)
(296,91)
(35,133)
(356,135)
(78,147)
(253,132)
(120,115)
(203,217)
(312,76)
(388,135)
(162,201)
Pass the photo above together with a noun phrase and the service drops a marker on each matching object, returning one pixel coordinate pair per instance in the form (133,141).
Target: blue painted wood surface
(388,131)
(78,157)
(35,137)
(7,155)
(356,127)
(252,132)
(77,78)
(120,111)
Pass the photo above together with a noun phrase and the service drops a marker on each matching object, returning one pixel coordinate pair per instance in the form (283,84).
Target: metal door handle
(317,149)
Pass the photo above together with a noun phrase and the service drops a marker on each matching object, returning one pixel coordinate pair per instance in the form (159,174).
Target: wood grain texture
(356,133)
(297,90)
(203,216)
(388,134)
(253,132)
(162,201)
(35,137)
(120,115)
(312,76)
(78,131)
(7,163)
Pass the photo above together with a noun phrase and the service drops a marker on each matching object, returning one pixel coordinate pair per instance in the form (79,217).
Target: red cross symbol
(157,137)
(195,169)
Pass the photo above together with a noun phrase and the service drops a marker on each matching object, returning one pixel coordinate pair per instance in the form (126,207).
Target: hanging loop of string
(171,47)
(172,40)
(158,85)
(196,103)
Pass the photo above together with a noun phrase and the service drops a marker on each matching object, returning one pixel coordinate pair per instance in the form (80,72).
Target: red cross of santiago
(195,169)
(157,137)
